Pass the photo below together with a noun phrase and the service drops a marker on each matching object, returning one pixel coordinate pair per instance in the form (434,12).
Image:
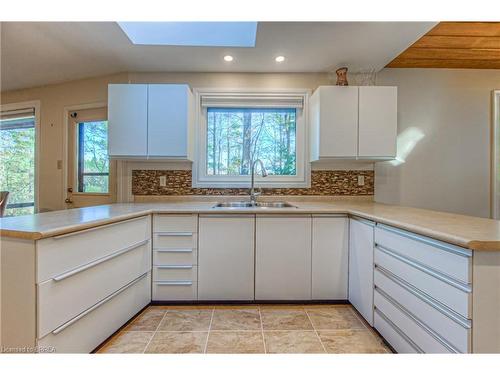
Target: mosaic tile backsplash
(147,182)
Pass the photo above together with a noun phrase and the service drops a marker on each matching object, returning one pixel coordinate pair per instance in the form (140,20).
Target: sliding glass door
(17,160)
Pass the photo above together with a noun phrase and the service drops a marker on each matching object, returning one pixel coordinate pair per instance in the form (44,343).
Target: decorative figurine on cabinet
(342,77)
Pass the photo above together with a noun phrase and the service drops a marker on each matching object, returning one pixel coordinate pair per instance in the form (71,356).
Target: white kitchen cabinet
(150,121)
(127,120)
(170,112)
(353,122)
(423,280)
(334,122)
(175,242)
(330,254)
(283,257)
(361,245)
(378,122)
(75,289)
(226,257)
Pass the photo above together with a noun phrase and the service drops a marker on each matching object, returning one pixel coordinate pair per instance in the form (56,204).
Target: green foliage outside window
(17,164)
(236,136)
(93,161)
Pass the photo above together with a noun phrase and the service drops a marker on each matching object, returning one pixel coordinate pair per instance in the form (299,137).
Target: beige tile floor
(247,329)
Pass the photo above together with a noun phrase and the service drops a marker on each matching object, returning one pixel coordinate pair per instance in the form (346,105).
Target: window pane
(95,184)
(17,164)
(235,136)
(93,157)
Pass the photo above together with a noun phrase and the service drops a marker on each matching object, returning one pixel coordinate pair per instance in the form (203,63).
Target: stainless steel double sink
(246,204)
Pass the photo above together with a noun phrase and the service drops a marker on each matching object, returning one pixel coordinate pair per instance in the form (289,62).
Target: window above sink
(235,127)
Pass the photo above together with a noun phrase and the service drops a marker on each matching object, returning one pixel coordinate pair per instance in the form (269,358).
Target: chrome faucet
(253,193)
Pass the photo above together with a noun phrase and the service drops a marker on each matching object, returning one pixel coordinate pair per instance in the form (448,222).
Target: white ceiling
(39,53)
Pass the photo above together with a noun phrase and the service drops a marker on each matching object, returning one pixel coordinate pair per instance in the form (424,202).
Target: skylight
(194,34)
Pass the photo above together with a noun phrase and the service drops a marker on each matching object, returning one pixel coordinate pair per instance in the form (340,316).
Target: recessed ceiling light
(280,59)
(228,58)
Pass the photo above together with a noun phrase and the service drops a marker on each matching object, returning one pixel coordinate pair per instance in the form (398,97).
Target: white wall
(449,167)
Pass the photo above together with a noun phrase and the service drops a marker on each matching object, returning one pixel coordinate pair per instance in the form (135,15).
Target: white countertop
(466,231)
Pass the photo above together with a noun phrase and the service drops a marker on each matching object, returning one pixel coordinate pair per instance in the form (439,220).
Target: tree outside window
(236,136)
(93,161)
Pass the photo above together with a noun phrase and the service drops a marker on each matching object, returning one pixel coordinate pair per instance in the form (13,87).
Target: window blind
(19,118)
(252,101)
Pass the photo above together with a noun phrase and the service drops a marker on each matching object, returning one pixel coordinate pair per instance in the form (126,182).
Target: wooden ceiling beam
(466,42)
(468,45)
(466,29)
(452,54)
(444,64)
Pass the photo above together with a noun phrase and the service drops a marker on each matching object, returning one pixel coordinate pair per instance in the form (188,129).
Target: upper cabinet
(353,122)
(127,120)
(150,121)
(377,121)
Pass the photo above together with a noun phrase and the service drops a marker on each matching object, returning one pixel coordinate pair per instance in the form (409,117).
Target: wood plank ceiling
(466,45)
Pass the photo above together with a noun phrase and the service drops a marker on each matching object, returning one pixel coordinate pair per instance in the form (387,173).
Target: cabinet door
(377,121)
(168,117)
(338,135)
(330,240)
(226,257)
(127,120)
(361,267)
(283,258)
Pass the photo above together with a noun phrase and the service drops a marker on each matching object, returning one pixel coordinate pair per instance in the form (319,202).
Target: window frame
(79,161)
(36,105)
(199,171)
(495,155)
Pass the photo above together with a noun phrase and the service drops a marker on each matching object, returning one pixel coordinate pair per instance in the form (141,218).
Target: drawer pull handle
(417,321)
(438,275)
(97,305)
(97,227)
(396,328)
(174,250)
(186,283)
(180,267)
(174,234)
(424,297)
(428,241)
(99,261)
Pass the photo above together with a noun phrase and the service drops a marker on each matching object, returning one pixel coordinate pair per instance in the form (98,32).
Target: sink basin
(247,204)
(275,205)
(234,204)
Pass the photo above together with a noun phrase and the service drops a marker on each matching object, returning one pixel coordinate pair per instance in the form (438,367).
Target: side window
(93,161)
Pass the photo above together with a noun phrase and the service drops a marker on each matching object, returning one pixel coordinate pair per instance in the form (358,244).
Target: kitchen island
(426,280)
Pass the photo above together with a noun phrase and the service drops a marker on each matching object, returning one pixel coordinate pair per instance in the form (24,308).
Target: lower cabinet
(175,255)
(423,291)
(87,330)
(283,257)
(226,257)
(361,242)
(330,257)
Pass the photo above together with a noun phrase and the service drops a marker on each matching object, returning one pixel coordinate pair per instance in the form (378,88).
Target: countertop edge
(476,245)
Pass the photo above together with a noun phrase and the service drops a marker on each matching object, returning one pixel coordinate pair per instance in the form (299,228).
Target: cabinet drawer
(175,272)
(417,333)
(448,259)
(175,223)
(455,296)
(60,254)
(187,256)
(90,284)
(451,328)
(175,240)
(180,290)
(392,334)
(92,327)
